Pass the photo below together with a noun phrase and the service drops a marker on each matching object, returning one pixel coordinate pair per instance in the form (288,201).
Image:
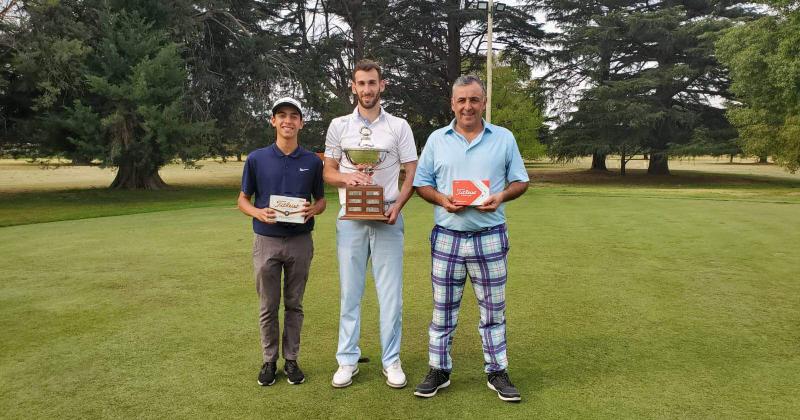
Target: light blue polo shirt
(447,156)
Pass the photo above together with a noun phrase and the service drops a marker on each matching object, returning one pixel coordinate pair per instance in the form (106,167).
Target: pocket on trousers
(256,246)
(432,237)
(504,243)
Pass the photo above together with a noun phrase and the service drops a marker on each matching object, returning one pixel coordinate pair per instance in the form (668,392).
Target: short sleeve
(515,167)
(318,189)
(333,142)
(424,176)
(407,149)
(249,177)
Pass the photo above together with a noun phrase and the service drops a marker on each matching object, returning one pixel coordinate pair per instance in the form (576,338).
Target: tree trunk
(599,162)
(81,161)
(129,177)
(659,164)
(453,49)
(731,159)
(622,162)
(239,157)
(357,29)
(763,159)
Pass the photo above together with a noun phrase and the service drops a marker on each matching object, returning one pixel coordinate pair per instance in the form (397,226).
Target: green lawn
(52,206)
(623,302)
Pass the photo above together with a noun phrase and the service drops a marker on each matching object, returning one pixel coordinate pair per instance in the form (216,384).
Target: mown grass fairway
(623,302)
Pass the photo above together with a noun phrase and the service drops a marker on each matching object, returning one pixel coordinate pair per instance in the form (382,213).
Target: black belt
(472,232)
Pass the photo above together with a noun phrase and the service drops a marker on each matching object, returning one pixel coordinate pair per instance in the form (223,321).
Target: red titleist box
(470,192)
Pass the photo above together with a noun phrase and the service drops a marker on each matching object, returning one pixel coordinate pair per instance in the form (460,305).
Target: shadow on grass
(51,206)
(38,207)
(640,178)
(19,208)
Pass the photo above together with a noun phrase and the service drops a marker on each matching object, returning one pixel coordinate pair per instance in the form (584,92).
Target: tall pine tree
(134,118)
(654,78)
(105,82)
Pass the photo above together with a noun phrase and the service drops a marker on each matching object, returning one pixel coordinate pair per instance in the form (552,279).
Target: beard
(369,103)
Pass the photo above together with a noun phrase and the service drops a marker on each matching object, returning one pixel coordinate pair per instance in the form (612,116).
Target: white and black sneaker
(499,382)
(266,376)
(293,373)
(435,380)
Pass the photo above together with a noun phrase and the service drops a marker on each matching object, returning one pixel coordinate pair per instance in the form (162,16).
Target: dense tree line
(764,61)
(137,84)
(646,75)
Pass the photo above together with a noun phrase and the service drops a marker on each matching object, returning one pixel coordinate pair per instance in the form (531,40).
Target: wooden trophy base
(364,202)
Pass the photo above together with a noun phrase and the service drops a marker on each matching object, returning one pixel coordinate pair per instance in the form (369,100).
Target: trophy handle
(343,156)
(382,157)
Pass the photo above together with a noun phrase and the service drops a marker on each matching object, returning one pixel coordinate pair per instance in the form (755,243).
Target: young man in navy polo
(282,169)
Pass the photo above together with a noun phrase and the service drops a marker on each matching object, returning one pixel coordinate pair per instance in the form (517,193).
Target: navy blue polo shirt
(268,171)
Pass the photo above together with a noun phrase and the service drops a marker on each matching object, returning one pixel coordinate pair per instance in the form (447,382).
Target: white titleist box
(289,209)
(468,192)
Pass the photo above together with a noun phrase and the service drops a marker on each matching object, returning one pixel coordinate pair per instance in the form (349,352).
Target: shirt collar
(278,153)
(358,117)
(487,127)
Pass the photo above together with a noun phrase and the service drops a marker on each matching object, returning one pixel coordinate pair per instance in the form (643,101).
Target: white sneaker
(395,377)
(344,376)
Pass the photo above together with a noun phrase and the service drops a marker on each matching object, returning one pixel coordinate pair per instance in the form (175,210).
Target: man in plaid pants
(469,240)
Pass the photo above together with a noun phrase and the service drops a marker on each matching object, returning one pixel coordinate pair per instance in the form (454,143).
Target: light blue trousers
(357,241)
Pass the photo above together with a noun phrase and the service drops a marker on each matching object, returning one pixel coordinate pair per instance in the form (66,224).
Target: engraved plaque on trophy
(364,202)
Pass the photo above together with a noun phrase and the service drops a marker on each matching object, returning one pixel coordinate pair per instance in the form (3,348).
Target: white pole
(489,66)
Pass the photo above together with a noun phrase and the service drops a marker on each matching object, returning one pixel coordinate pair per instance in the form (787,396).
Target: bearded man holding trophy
(364,152)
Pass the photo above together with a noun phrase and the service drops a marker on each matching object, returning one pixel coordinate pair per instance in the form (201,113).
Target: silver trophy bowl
(365,159)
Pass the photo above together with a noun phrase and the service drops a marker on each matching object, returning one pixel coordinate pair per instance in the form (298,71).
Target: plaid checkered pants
(482,255)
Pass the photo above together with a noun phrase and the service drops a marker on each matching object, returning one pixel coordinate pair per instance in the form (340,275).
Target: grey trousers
(291,255)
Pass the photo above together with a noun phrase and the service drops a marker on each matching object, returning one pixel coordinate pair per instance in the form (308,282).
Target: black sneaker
(499,382)
(293,373)
(434,381)
(266,376)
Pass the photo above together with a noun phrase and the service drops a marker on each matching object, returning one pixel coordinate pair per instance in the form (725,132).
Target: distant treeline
(139,83)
